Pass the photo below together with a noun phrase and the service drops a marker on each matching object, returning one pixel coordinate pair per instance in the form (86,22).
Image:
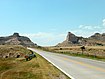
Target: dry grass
(90,51)
(37,68)
(12,49)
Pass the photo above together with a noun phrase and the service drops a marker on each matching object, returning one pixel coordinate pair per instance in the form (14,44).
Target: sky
(47,22)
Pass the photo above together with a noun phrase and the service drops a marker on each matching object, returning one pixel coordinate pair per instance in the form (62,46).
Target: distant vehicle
(30,56)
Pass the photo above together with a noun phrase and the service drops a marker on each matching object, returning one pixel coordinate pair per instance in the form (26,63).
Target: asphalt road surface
(75,67)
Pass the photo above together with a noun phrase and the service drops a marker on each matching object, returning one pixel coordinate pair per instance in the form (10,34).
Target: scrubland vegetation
(19,68)
(93,52)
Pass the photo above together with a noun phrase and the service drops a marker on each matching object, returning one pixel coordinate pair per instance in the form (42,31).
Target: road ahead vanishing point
(75,67)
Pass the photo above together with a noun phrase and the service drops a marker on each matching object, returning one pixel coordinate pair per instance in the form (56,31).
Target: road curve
(75,67)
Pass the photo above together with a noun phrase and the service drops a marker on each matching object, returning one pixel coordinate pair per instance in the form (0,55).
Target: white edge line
(56,66)
(59,68)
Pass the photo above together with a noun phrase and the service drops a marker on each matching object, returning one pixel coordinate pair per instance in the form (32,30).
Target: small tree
(83,48)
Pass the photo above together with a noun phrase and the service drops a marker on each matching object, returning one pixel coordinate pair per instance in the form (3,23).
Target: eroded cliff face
(96,39)
(16,39)
(71,38)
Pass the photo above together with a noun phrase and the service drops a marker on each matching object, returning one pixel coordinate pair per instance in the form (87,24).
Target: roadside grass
(5,64)
(91,52)
(82,55)
(37,68)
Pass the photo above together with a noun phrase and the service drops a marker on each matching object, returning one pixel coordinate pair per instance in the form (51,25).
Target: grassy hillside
(19,68)
(13,49)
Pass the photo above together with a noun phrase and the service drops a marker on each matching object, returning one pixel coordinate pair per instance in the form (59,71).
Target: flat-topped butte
(16,39)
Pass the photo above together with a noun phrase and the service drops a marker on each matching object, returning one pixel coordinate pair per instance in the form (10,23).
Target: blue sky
(47,22)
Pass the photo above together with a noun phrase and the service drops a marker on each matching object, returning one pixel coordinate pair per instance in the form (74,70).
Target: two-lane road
(75,67)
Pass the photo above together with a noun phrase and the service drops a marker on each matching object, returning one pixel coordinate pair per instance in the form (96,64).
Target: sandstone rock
(16,39)
(15,35)
(71,40)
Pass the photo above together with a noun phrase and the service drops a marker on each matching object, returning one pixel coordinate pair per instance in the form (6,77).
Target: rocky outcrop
(96,39)
(16,39)
(71,38)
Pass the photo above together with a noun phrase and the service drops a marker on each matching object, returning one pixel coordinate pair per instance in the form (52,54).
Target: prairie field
(19,68)
(89,51)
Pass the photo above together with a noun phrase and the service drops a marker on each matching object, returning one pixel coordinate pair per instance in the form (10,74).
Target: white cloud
(37,35)
(44,38)
(103,22)
(88,30)
(88,27)
(81,26)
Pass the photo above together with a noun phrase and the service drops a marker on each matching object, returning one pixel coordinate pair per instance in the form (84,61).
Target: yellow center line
(86,65)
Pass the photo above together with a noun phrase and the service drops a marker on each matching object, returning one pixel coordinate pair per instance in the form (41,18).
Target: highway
(75,67)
